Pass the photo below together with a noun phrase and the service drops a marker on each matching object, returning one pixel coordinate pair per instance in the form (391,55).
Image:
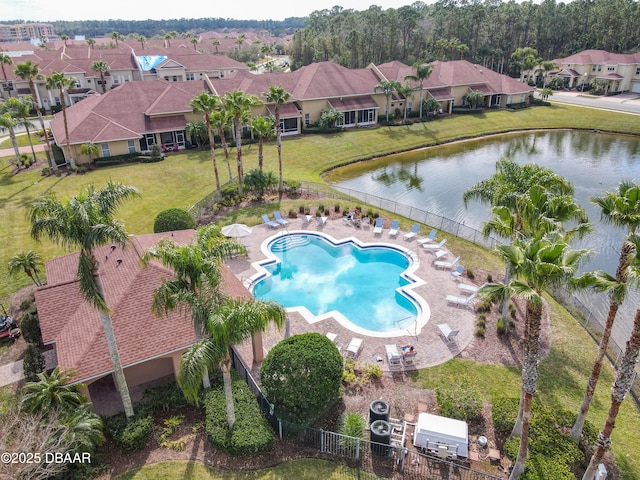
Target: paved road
(625,103)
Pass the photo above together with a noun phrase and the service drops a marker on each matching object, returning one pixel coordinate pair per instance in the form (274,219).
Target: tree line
(485,32)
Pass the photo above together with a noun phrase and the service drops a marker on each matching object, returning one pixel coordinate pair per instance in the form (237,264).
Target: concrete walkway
(13,373)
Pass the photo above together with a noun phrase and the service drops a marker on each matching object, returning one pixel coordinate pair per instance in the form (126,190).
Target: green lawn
(22,139)
(305,469)
(182,179)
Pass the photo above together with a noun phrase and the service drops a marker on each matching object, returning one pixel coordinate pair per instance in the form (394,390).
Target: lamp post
(585,74)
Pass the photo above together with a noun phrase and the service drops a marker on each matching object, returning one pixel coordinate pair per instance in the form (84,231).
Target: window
(191,76)
(105,149)
(115,79)
(638,71)
(599,68)
(593,68)
(126,78)
(132,146)
(306,120)
(57,100)
(611,69)
(409,106)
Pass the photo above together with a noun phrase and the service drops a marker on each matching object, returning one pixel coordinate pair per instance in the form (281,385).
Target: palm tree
(22,119)
(197,131)
(91,42)
(262,127)
(52,391)
(387,87)
(216,44)
(84,429)
(475,99)
(89,148)
(239,105)
(536,263)
(167,37)
(64,38)
(7,122)
(101,67)
(407,90)
(194,42)
(206,103)
(28,71)
(86,221)
(545,68)
(219,122)
(620,208)
(278,96)
(141,39)
(116,36)
(28,262)
(58,81)
(5,60)
(525,59)
(230,322)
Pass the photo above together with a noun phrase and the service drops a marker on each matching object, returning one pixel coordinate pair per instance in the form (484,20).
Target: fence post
(321,441)
(357,449)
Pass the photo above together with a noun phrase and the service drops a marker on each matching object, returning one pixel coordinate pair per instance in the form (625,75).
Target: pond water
(434,179)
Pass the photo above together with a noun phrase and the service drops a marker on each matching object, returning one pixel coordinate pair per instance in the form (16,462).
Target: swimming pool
(367,288)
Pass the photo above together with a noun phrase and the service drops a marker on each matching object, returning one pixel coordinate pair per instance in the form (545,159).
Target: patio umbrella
(236,230)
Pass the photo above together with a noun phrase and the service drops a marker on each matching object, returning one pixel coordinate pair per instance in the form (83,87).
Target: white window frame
(106,151)
(190,76)
(132,146)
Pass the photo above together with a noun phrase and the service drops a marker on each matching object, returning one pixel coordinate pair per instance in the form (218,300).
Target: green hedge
(173,219)
(251,433)
(459,399)
(130,436)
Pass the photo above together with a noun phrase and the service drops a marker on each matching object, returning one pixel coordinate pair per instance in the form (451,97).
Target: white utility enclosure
(433,432)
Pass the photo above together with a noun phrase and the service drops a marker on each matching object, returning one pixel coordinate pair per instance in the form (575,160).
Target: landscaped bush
(173,219)
(33,363)
(541,467)
(302,376)
(459,398)
(30,326)
(504,412)
(130,436)
(251,433)
(352,424)
(162,397)
(501,326)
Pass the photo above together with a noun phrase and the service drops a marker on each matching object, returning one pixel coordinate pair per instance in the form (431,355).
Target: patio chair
(366,221)
(393,356)
(378,226)
(269,222)
(447,333)
(354,347)
(428,239)
(439,254)
(435,246)
(457,273)
(461,300)
(321,220)
(447,265)
(409,358)
(279,218)
(333,336)
(469,288)
(414,231)
(395,226)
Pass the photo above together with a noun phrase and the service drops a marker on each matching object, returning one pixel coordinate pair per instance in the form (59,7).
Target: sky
(51,10)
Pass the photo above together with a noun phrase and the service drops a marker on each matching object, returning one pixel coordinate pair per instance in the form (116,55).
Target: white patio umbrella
(236,230)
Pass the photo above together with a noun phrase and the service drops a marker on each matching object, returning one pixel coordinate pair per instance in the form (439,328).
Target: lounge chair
(435,246)
(269,222)
(279,218)
(306,219)
(428,239)
(461,300)
(447,265)
(378,226)
(393,356)
(414,231)
(321,220)
(447,333)
(395,226)
(409,358)
(366,221)
(333,336)
(439,254)
(468,288)
(457,273)
(354,347)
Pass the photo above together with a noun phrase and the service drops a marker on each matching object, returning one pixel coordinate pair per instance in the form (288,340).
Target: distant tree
(116,36)
(330,118)
(142,39)
(64,38)
(58,81)
(28,262)
(5,60)
(220,121)
(206,104)
(422,73)
(216,44)
(545,93)
(262,127)
(194,42)
(388,87)
(278,96)
(474,99)
(7,122)
(91,42)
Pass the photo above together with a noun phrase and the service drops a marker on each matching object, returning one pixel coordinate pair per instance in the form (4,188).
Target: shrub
(470,274)
(480,331)
(372,371)
(163,396)
(130,436)
(30,326)
(484,306)
(352,424)
(301,209)
(173,219)
(321,208)
(501,326)
(33,363)
(293,186)
(336,208)
(513,310)
(459,398)
(541,467)
(302,375)
(156,153)
(292,213)
(489,278)
(251,433)
(45,172)
(230,195)
(482,320)
(504,412)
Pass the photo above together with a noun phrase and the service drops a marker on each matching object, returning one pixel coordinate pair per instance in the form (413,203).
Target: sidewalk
(12,372)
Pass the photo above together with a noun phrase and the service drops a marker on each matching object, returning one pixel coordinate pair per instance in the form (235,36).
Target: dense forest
(151,28)
(485,32)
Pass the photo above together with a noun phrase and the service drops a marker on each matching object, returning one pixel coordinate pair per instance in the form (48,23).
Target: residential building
(24,32)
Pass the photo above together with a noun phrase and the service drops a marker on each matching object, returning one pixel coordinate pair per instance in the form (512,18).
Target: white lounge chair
(393,356)
(468,288)
(279,218)
(395,226)
(409,358)
(333,336)
(269,222)
(354,347)
(447,265)
(321,220)
(414,231)
(447,333)
(439,254)
(366,222)
(461,300)
(429,239)
(378,227)
(435,246)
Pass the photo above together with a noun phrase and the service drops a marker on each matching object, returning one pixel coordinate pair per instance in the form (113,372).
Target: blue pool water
(358,282)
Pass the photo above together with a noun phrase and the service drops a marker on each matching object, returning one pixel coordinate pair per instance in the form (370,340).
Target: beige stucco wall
(148,371)
(313,108)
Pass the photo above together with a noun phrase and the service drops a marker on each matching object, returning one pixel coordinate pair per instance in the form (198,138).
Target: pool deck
(431,347)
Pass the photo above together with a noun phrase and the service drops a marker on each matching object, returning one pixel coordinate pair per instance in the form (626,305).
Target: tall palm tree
(239,105)
(86,222)
(545,68)
(197,131)
(206,104)
(194,42)
(422,73)
(91,42)
(28,262)
(262,127)
(57,80)
(5,60)
(52,391)
(216,44)
(219,122)
(620,208)
(278,96)
(101,67)
(116,36)
(28,71)
(387,87)
(89,148)
(536,263)
(406,91)
(22,117)
(621,385)
(7,122)
(167,37)
(474,98)
(64,38)
(230,322)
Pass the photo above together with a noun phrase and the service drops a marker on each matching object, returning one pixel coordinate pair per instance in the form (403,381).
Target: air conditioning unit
(601,474)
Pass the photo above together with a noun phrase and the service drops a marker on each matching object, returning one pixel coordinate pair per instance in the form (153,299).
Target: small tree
(33,363)
(259,181)
(302,375)
(156,153)
(30,326)
(173,219)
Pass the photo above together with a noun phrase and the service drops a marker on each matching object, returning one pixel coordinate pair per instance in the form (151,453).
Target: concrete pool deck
(431,348)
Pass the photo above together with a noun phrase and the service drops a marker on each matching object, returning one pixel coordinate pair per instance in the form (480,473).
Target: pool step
(289,242)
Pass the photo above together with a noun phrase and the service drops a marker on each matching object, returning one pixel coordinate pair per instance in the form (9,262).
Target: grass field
(182,179)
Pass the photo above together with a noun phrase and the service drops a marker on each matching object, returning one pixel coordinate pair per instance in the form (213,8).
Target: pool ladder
(289,242)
